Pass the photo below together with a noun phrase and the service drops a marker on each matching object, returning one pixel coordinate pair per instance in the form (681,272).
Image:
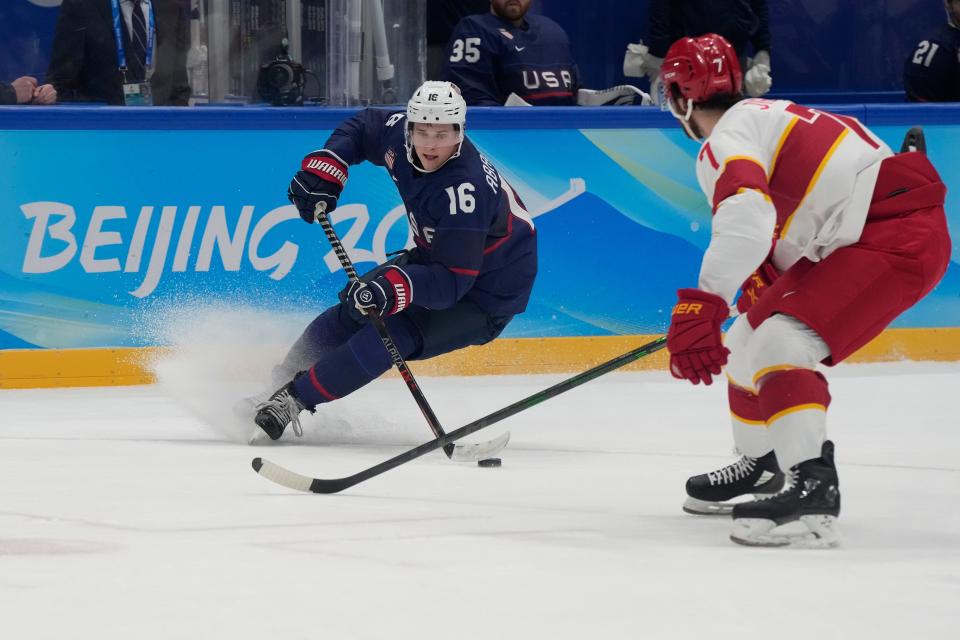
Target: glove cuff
(402,287)
(326,165)
(700,302)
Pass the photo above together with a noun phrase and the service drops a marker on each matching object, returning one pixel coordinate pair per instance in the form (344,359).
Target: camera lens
(280,83)
(279,76)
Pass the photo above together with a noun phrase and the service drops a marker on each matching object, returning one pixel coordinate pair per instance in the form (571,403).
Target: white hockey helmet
(435,102)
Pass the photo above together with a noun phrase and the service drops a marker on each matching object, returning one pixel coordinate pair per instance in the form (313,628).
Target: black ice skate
(711,493)
(806,511)
(281,409)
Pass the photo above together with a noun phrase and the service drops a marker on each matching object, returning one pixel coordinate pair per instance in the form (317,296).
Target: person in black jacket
(442,17)
(743,23)
(84,64)
(931,73)
(24,90)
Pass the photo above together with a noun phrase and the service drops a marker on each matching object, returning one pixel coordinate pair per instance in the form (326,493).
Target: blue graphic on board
(590,290)
(104,228)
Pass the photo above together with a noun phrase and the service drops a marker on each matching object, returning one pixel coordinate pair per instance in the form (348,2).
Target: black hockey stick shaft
(318,485)
(320,213)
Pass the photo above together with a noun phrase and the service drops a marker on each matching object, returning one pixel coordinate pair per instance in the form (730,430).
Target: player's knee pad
(783,342)
(744,405)
(788,391)
(328,330)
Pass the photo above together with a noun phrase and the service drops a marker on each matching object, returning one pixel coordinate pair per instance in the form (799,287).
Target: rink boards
(117,219)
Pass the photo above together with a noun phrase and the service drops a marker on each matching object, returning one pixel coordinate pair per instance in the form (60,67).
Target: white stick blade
(475,451)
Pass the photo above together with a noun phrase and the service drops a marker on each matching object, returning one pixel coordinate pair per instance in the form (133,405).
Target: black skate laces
(732,472)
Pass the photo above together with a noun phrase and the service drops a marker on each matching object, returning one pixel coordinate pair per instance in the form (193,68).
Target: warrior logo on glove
(321,178)
(327,169)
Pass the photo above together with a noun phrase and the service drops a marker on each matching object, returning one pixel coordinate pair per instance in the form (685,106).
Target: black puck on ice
(490,462)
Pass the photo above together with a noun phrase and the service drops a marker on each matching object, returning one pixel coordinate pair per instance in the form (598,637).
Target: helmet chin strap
(686,121)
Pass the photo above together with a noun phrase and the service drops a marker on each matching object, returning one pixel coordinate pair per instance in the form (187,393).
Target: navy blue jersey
(474,238)
(489,58)
(931,73)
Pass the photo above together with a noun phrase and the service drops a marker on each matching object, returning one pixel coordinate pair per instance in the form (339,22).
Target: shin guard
(794,404)
(749,424)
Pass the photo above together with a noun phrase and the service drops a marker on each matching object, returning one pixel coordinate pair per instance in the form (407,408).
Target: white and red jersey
(782,175)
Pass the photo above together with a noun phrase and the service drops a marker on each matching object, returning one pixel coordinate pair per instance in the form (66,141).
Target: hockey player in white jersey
(827,236)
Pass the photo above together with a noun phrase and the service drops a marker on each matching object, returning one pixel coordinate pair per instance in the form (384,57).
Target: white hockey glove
(633,60)
(639,62)
(513,100)
(619,95)
(757,80)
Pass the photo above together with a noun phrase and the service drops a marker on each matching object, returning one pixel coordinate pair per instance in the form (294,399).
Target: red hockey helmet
(699,68)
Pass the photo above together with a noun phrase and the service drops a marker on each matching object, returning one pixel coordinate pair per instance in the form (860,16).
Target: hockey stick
(293,480)
(458,452)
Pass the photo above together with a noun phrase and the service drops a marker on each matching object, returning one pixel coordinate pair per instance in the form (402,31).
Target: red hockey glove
(754,287)
(696,348)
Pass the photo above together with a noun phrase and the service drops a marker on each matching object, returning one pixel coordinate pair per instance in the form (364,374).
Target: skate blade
(706,508)
(259,438)
(809,532)
(698,507)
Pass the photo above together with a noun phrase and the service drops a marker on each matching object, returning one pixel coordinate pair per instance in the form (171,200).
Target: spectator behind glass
(84,63)
(931,73)
(740,22)
(24,90)
(506,57)
(442,17)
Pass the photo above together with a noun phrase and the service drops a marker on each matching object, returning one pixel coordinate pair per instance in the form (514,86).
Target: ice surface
(123,515)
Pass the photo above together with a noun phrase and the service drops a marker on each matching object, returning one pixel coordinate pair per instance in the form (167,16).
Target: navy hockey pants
(338,355)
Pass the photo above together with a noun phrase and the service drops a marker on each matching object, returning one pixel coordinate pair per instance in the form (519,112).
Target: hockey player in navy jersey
(471,271)
(931,72)
(509,57)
